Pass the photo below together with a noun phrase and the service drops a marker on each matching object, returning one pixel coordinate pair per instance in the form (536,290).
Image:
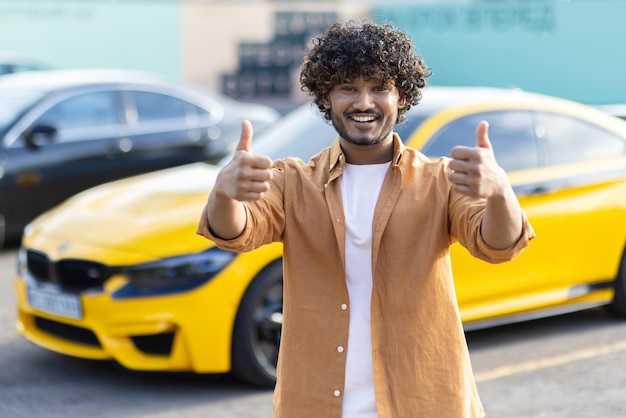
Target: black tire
(618,306)
(256,337)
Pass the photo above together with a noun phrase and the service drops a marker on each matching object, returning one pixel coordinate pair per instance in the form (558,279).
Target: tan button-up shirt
(420,358)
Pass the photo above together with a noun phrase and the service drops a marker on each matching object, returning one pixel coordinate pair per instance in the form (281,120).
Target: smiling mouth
(363,118)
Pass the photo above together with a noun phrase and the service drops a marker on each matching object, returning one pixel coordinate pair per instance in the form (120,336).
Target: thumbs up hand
(475,171)
(245,140)
(246,177)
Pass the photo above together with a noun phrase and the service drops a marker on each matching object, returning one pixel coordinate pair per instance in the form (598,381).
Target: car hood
(151,215)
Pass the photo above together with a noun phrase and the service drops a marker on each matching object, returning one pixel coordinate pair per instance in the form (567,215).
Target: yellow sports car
(118,273)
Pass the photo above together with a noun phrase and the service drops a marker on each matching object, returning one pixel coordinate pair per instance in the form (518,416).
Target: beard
(365,137)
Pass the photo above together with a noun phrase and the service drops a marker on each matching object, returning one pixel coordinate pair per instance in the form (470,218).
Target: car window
(511,133)
(566,139)
(13,102)
(87,110)
(195,113)
(156,106)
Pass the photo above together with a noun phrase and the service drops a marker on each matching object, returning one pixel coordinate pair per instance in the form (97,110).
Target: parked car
(63,131)
(11,62)
(118,273)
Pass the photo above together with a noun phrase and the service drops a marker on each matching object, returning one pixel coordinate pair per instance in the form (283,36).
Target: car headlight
(175,274)
(22,261)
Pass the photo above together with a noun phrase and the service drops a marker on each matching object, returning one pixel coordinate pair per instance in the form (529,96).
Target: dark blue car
(63,131)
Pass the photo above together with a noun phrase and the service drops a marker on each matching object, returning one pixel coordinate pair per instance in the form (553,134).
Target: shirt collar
(398,149)
(338,159)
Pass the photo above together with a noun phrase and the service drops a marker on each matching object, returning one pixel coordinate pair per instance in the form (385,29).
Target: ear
(325,102)
(401,100)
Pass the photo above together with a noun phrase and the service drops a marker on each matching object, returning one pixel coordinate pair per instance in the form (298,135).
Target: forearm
(501,226)
(226,217)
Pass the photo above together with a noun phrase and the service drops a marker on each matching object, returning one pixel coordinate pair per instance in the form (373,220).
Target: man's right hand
(246,177)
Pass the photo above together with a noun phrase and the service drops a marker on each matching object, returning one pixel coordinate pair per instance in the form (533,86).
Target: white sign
(62,304)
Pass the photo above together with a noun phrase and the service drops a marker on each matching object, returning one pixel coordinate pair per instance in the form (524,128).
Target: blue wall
(572,49)
(138,34)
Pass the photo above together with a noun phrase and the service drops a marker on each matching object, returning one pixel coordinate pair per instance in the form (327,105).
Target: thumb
(482,135)
(246,136)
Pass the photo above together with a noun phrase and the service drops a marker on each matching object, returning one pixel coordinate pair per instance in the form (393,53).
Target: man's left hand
(475,171)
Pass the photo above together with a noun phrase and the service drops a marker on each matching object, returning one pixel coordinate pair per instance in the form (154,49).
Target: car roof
(440,97)
(47,80)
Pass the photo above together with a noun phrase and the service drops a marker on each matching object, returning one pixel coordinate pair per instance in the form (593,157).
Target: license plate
(62,304)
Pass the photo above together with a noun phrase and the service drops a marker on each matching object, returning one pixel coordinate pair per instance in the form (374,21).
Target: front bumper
(182,332)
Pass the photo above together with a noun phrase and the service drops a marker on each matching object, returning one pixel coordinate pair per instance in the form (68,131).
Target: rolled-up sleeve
(466,215)
(493,255)
(240,243)
(265,219)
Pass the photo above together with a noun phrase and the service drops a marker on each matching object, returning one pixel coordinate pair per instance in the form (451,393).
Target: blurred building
(252,49)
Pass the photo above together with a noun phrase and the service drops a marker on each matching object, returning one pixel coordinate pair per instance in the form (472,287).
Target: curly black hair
(346,52)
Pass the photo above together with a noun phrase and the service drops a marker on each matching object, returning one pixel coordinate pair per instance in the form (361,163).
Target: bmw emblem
(63,247)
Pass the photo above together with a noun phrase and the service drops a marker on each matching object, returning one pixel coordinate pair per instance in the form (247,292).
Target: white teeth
(363,118)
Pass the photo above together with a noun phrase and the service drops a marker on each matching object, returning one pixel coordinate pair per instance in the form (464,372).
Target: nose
(363,100)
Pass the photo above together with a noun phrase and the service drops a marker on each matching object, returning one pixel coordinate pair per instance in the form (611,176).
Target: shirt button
(340,349)
(337,393)
(344,306)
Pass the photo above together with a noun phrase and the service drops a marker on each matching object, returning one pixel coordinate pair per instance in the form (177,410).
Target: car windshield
(303,132)
(13,102)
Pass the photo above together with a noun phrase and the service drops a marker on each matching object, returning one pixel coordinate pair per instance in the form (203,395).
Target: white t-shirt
(360,187)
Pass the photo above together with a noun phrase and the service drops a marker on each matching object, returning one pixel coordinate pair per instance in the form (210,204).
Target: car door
(481,285)
(572,200)
(561,169)
(575,202)
(163,131)
(70,147)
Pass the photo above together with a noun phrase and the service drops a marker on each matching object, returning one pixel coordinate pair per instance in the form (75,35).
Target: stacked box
(266,70)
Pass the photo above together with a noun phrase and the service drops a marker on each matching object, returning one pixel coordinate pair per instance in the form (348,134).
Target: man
(371,326)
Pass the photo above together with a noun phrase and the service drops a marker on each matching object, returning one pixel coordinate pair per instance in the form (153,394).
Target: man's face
(364,112)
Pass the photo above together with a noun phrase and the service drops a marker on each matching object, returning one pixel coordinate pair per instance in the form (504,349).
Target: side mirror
(34,136)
